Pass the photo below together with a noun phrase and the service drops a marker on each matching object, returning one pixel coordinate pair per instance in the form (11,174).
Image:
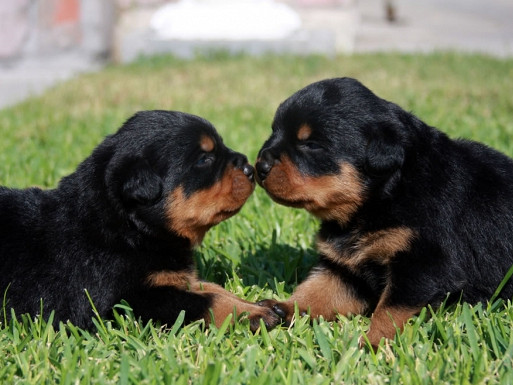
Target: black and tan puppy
(408,215)
(124,224)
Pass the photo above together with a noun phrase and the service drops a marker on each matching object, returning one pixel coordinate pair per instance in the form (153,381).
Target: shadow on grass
(264,266)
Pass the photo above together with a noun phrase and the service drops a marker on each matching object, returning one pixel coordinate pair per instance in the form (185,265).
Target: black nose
(249,171)
(241,162)
(263,168)
(264,165)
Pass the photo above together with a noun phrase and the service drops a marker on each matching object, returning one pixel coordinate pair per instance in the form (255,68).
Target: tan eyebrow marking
(207,144)
(304,132)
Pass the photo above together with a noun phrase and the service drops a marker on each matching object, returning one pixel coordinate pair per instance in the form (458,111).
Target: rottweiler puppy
(124,225)
(409,217)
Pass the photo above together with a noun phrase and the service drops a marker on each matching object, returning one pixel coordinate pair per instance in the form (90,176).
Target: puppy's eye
(311,145)
(205,160)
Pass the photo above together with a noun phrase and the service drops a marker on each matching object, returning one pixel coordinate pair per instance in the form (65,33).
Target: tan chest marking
(380,246)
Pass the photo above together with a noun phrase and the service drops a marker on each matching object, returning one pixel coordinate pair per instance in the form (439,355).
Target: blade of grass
(502,284)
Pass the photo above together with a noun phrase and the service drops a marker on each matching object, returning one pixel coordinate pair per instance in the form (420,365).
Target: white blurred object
(225,20)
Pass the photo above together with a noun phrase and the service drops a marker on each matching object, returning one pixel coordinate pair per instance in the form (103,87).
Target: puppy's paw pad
(271,319)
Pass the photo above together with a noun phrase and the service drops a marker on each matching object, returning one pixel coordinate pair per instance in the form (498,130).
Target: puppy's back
(20,229)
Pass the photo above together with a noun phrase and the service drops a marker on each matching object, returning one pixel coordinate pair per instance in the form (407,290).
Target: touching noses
(264,164)
(241,162)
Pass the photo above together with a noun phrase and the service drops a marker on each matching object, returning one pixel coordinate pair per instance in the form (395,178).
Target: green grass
(266,249)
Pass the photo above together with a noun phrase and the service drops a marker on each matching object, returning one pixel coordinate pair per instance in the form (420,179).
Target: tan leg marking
(321,294)
(224,303)
(387,318)
(181,280)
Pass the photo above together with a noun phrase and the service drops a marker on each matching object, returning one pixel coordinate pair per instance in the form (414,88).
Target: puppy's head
(170,172)
(334,144)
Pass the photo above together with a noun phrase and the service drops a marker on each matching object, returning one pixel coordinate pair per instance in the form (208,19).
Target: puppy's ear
(385,152)
(384,155)
(140,185)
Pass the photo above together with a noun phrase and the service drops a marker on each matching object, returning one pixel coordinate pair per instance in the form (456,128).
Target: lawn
(266,249)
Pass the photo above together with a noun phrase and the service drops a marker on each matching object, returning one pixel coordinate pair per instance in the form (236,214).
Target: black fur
(455,195)
(104,228)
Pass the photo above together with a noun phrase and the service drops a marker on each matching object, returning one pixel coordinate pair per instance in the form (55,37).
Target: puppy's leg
(224,303)
(387,318)
(200,300)
(164,304)
(321,294)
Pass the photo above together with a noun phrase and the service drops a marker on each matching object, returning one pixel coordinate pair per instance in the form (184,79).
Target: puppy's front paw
(285,310)
(270,318)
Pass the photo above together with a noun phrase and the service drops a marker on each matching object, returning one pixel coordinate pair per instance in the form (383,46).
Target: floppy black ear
(384,155)
(139,183)
(384,152)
